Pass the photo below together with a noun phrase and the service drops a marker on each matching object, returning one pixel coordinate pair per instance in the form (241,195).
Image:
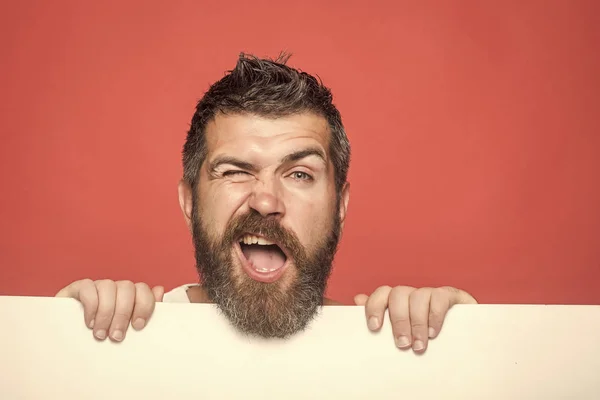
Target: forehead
(253,134)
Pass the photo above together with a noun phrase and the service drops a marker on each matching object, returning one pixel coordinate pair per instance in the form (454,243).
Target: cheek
(311,220)
(218,203)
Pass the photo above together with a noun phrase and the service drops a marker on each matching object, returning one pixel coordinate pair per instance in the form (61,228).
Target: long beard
(264,309)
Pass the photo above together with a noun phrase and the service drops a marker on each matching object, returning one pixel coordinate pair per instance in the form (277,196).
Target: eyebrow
(295,156)
(299,155)
(229,160)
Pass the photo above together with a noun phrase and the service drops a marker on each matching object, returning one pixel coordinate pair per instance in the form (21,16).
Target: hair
(267,88)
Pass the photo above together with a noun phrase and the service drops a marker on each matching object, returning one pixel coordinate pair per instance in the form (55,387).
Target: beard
(268,310)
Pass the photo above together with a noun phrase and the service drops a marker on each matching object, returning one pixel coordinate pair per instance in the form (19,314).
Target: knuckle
(440,300)
(104,282)
(449,289)
(401,321)
(121,316)
(418,325)
(380,294)
(414,295)
(419,331)
(103,319)
(400,292)
(124,284)
(375,301)
(144,303)
(88,297)
(142,286)
(144,306)
(86,282)
(420,293)
(422,290)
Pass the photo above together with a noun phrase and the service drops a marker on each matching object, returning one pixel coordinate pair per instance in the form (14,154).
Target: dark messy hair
(267,88)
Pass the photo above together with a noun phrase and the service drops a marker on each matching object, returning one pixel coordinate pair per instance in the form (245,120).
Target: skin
(301,193)
(248,167)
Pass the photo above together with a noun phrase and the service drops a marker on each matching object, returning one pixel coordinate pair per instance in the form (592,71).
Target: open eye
(301,176)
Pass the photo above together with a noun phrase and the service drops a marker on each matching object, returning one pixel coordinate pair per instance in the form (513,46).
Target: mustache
(269,227)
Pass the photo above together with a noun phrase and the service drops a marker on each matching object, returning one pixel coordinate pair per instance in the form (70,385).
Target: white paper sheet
(190,351)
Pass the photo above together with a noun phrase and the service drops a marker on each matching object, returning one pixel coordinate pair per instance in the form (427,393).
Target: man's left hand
(416,315)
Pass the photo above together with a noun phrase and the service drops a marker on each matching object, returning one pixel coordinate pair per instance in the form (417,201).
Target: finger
(107,293)
(419,318)
(375,307)
(438,308)
(125,298)
(158,292)
(360,299)
(442,300)
(398,309)
(462,297)
(144,305)
(85,292)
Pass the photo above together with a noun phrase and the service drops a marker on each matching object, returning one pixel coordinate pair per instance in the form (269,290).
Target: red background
(474,127)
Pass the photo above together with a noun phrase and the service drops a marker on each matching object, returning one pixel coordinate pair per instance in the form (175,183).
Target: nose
(266,200)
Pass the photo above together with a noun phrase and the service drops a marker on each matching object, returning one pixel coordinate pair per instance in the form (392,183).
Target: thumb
(158,292)
(361,299)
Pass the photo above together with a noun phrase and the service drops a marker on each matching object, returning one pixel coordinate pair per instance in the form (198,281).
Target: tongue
(267,258)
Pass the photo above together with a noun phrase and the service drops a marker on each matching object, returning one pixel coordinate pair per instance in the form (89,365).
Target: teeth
(265,269)
(262,270)
(263,241)
(251,239)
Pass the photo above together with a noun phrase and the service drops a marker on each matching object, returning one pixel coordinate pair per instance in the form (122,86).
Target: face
(266,220)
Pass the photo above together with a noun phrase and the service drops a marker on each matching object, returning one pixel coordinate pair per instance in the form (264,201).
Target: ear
(344,200)
(185,201)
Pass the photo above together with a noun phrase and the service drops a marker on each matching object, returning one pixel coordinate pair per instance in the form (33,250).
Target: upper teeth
(251,239)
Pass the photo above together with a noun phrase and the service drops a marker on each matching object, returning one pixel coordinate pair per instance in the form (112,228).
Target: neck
(197,295)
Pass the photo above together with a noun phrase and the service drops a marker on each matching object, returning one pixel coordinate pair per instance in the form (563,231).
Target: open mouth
(262,259)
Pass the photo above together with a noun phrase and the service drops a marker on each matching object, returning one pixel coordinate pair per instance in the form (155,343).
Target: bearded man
(265,195)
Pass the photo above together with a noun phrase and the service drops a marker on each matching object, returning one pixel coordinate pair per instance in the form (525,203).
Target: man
(265,194)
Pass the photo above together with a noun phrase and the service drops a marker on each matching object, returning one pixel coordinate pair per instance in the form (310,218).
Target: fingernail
(91,325)
(138,323)
(402,341)
(101,334)
(419,345)
(431,332)
(373,323)
(117,335)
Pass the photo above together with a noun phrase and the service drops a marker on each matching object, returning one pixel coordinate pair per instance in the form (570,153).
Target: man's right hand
(109,307)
